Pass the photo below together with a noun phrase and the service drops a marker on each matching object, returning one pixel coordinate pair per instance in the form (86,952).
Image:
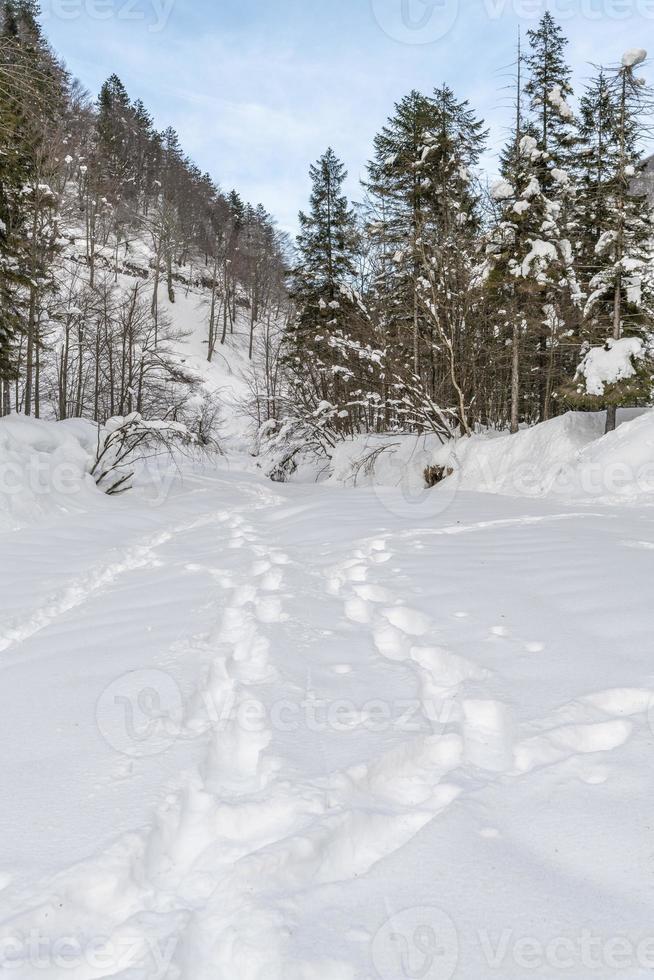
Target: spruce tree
(33,98)
(327,308)
(422,199)
(116,128)
(328,232)
(401,195)
(548,89)
(447,246)
(621,301)
(532,245)
(597,169)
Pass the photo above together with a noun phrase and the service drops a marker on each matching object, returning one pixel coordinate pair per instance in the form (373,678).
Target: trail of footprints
(479,733)
(235,834)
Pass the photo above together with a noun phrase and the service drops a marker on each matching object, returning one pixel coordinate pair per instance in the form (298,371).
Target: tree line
(435,303)
(441,303)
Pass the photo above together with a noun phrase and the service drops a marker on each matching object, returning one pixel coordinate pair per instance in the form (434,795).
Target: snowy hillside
(222,380)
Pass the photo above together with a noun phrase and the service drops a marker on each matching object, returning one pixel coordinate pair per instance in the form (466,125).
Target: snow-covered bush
(123,443)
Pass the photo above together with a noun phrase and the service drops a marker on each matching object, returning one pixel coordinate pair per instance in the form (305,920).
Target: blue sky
(257,89)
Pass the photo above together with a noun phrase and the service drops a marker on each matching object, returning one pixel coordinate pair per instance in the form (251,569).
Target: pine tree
(621,301)
(328,232)
(33,98)
(421,198)
(447,246)
(401,195)
(327,308)
(531,253)
(597,168)
(548,89)
(116,128)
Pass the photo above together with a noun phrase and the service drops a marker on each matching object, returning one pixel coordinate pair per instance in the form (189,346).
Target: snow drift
(43,469)
(567,456)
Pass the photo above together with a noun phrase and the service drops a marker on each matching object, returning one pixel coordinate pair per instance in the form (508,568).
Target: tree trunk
(515,378)
(37,372)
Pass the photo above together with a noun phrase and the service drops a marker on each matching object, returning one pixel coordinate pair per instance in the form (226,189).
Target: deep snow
(262,732)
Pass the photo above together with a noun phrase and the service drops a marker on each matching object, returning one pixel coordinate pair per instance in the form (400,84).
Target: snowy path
(300,734)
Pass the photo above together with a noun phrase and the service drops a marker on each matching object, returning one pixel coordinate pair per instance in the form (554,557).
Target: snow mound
(619,467)
(530,462)
(43,469)
(568,457)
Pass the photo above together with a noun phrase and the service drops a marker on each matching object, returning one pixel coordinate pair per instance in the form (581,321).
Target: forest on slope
(104,223)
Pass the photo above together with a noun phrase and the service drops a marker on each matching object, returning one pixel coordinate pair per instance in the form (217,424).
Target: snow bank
(43,468)
(530,462)
(567,457)
(619,467)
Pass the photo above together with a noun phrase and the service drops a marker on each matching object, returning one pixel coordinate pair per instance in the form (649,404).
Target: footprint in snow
(561,743)
(408,620)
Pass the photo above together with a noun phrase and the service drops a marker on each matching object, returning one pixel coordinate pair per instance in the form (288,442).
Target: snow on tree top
(606,365)
(633,57)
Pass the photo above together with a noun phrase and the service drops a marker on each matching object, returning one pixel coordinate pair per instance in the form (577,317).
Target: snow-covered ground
(286,732)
